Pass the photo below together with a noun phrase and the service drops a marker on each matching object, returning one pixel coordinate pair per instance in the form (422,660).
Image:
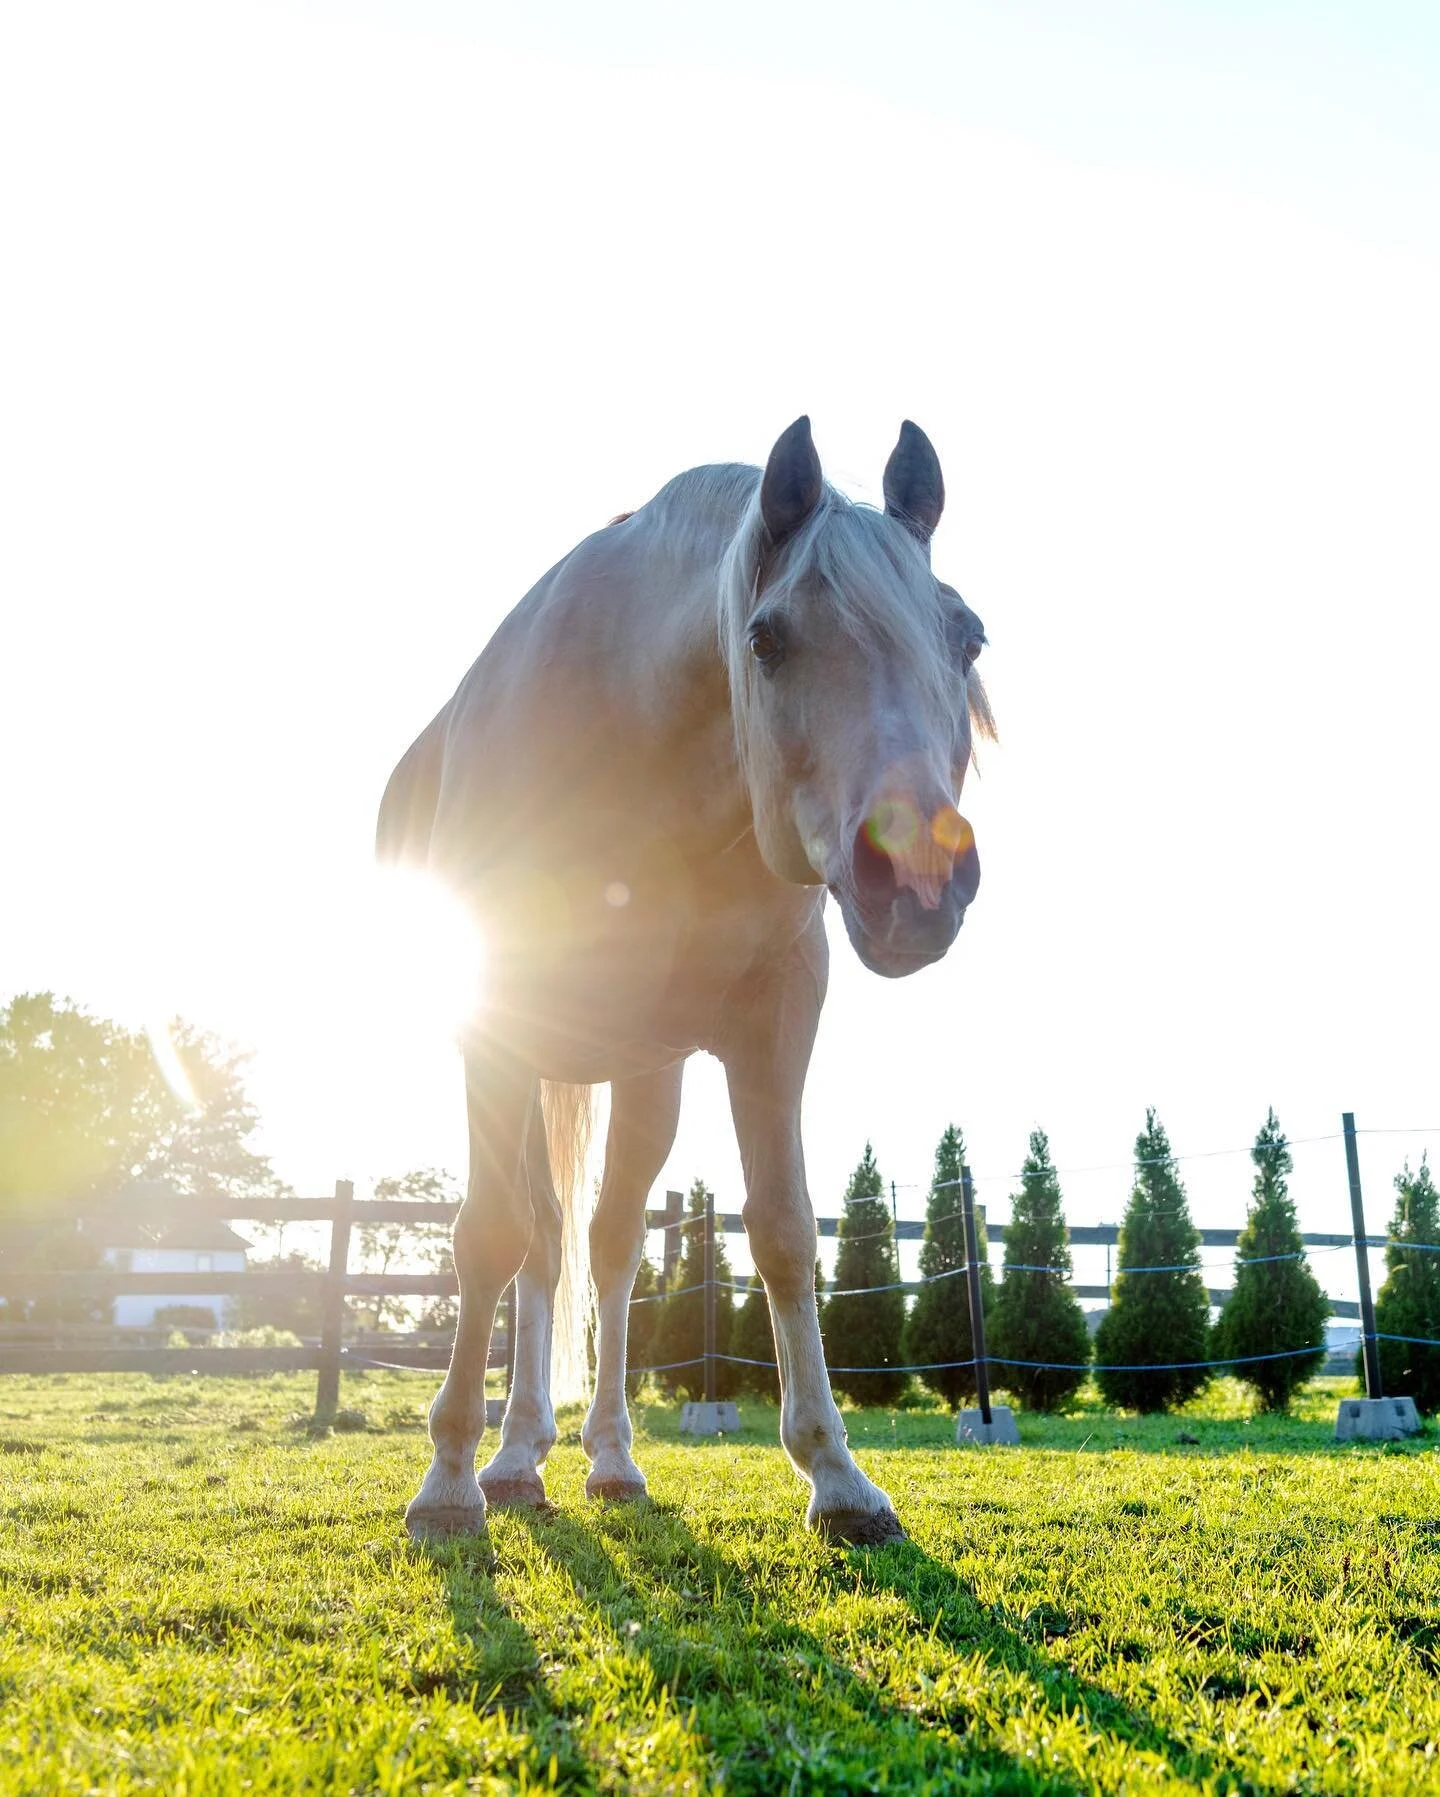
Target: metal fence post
(1371,1346)
(332,1328)
(977,1302)
(709,1299)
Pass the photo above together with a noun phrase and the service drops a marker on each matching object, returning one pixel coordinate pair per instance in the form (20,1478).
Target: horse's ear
(793,483)
(914,486)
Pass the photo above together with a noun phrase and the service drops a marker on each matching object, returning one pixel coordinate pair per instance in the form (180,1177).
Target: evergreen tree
(643,1323)
(862,1324)
(1155,1319)
(753,1338)
(1408,1303)
(938,1327)
(680,1332)
(1037,1315)
(1277,1303)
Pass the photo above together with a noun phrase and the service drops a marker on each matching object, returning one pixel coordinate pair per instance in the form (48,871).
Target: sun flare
(431,961)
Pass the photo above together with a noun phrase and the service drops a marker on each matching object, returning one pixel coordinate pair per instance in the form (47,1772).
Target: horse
(743,696)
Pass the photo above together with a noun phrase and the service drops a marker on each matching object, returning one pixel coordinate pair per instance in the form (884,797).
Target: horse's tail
(407,811)
(569,1113)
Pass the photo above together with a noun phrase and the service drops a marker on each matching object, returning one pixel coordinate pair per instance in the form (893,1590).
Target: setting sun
(429,956)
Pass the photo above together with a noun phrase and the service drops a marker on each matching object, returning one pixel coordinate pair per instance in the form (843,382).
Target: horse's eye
(766,646)
(972,649)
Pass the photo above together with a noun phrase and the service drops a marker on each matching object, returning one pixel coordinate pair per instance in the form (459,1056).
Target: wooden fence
(85,1353)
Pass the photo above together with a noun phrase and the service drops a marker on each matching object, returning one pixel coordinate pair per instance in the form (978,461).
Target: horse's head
(853,687)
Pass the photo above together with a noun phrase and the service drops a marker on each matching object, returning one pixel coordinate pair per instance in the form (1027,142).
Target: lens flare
(893,827)
(949,831)
(172,1068)
(432,955)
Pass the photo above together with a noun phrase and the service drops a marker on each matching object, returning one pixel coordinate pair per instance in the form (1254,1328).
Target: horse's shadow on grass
(790,1708)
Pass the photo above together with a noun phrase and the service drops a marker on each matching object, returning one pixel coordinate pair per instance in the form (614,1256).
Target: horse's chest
(623,954)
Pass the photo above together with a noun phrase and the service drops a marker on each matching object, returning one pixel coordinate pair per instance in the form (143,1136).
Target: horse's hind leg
(528,1432)
(643,1114)
(492,1233)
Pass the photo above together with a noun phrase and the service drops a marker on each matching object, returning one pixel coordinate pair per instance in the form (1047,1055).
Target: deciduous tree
(88,1107)
(409,1243)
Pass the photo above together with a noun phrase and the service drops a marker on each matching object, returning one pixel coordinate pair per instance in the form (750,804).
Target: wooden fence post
(670,1249)
(327,1386)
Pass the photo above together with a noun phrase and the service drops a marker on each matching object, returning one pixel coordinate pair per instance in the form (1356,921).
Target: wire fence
(1366,1337)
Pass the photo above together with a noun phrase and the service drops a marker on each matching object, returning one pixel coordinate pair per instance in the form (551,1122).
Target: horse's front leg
(643,1114)
(766,1052)
(492,1233)
(528,1431)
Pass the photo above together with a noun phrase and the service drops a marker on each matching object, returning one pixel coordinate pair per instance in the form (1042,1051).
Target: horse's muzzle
(898,919)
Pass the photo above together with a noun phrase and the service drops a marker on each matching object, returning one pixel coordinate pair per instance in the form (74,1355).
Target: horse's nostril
(874,870)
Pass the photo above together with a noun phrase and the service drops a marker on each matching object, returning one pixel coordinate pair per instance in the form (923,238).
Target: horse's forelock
(876,578)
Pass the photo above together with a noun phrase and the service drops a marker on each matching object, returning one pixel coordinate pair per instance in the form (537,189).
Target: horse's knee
(491,1239)
(782,1245)
(615,1248)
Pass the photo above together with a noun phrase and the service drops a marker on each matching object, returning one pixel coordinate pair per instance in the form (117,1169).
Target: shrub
(1277,1303)
(1408,1302)
(265,1337)
(1155,1319)
(185,1316)
(1036,1314)
(938,1327)
(862,1324)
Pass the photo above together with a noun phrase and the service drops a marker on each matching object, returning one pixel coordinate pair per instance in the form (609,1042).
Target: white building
(198,1247)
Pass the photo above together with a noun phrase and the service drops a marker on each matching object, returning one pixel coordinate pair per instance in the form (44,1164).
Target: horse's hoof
(523,1492)
(616,1490)
(436,1522)
(856,1528)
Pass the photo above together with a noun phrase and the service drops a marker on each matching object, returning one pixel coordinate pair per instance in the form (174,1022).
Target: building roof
(204,1232)
(120,1231)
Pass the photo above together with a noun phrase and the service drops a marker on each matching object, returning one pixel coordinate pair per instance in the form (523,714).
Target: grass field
(196,1596)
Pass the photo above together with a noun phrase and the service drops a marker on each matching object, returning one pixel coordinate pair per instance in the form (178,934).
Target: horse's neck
(606,688)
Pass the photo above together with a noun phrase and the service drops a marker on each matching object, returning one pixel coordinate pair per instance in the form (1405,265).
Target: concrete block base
(494,1412)
(721,1418)
(1376,1419)
(999,1432)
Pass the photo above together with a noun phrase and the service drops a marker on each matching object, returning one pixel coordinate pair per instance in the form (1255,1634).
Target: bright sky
(328,328)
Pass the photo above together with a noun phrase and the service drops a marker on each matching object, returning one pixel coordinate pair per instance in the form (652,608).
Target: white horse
(707,714)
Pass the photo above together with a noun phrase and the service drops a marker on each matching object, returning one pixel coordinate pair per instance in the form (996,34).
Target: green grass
(198,1597)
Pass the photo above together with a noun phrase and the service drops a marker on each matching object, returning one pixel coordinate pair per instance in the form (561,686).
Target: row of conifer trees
(1155,1347)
